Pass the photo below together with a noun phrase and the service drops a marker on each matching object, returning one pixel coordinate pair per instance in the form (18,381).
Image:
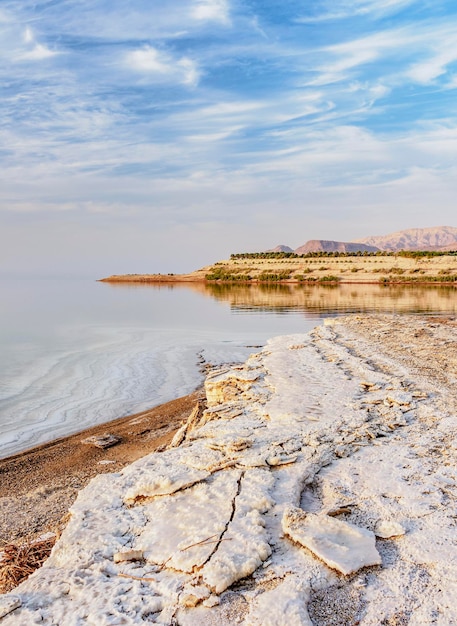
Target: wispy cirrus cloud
(26,45)
(401,55)
(440,53)
(36,52)
(344,59)
(213,111)
(343,9)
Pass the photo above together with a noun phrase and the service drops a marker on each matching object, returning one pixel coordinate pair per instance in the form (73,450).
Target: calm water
(75,353)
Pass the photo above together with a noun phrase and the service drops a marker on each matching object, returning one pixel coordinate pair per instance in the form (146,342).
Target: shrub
(223,274)
(274,276)
(390,280)
(329,279)
(305,279)
(21,560)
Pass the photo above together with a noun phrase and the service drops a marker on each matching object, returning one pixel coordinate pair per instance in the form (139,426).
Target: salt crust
(285,604)
(208,513)
(340,545)
(386,529)
(8,603)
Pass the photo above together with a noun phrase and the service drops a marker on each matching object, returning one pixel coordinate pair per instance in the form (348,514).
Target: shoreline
(38,485)
(381,269)
(45,479)
(305,283)
(281,468)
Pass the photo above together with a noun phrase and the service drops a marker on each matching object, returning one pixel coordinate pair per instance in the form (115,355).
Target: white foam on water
(101,375)
(74,353)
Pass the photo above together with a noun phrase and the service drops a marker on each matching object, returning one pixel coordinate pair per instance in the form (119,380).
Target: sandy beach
(317,487)
(38,486)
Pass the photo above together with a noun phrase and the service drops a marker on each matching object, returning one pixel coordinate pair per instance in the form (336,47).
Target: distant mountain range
(440,237)
(436,238)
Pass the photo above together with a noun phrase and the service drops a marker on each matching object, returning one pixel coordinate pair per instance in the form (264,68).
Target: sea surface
(76,352)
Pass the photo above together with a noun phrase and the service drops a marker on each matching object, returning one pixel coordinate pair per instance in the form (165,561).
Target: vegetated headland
(386,268)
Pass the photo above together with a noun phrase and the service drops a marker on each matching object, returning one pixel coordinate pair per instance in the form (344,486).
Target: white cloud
(428,70)
(35,51)
(370,93)
(213,137)
(344,59)
(379,7)
(364,49)
(345,9)
(258,29)
(433,44)
(211,11)
(232,108)
(191,74)
(28,35)
(149,60)
(253,135)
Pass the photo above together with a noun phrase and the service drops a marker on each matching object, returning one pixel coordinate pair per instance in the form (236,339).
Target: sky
(158,136)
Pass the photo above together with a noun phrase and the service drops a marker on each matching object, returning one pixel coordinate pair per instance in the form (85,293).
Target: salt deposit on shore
(266,510)
(120,372)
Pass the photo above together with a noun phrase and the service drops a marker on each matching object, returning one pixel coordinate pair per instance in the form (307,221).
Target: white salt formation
(8,603)
(340,545)
(385,529)
(285,604)
(313,441)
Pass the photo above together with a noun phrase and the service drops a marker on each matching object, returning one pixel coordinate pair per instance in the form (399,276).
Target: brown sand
(39,485)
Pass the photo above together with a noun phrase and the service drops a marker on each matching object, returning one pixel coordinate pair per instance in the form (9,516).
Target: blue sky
(160,136)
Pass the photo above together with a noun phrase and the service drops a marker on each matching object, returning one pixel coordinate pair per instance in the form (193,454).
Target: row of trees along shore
(408,254)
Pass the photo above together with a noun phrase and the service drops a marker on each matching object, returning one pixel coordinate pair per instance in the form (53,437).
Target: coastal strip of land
(315,485)
(38,486)
(385,269)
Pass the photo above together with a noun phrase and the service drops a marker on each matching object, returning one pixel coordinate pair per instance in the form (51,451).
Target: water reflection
(330,299)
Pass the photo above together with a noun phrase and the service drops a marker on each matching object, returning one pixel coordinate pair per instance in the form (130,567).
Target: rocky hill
(281,248)
(436,238)
(322,245)
(451,247)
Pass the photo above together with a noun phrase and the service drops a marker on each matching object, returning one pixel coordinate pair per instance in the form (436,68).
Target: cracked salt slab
(247,544)
(159,477)
(175,532)
(340,545)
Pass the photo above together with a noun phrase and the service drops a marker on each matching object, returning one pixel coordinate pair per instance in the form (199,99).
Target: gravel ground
(38,486)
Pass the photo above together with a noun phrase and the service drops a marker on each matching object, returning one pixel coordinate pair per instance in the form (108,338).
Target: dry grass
(19,560)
